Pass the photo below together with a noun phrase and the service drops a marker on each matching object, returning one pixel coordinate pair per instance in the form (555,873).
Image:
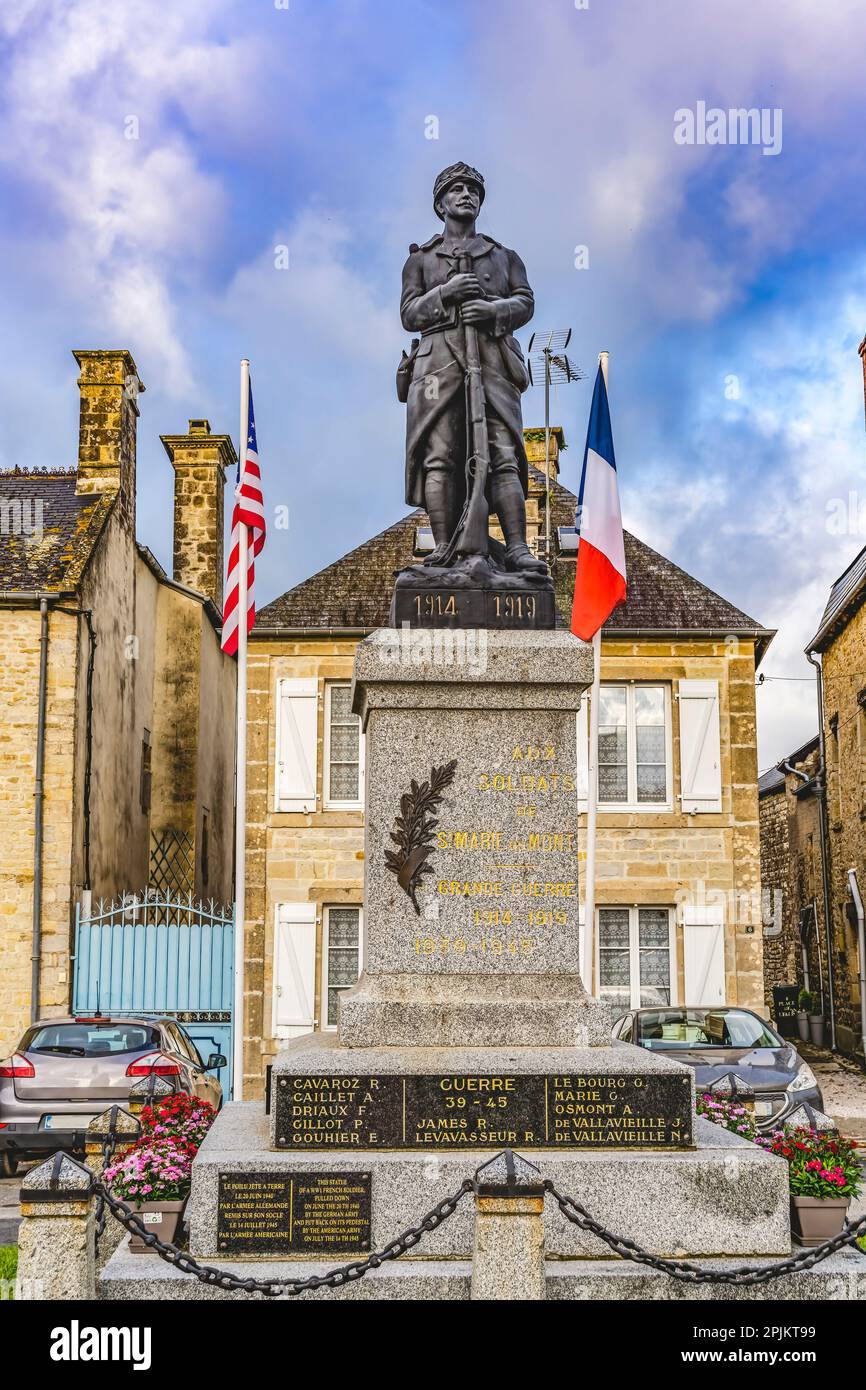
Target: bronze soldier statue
(466,294)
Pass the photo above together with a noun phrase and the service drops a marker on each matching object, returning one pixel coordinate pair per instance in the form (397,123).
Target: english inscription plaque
(316,1114)
(293,1213)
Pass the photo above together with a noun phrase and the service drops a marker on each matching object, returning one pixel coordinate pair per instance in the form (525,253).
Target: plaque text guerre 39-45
(627,1111)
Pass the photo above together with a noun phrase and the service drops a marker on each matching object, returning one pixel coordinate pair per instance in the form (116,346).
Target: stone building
(679,913)
(826,781)
(795,937)
(116,702)
(840,643)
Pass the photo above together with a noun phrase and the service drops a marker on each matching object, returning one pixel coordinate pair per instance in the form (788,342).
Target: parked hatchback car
(715,1041)
(68,1070)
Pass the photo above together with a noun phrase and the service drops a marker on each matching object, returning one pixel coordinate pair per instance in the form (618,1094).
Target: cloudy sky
(156,154)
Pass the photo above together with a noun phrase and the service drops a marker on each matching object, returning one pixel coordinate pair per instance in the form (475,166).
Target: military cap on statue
(452,174)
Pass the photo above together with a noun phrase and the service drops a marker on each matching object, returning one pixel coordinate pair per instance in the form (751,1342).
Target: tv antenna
(546,353)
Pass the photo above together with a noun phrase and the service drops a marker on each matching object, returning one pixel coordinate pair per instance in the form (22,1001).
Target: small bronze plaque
(317,1114)
(293,1213)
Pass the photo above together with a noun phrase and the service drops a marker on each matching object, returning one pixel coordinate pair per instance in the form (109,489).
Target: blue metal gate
(157,954)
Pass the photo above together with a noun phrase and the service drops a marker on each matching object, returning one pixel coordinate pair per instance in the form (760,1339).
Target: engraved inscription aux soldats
(316,1113)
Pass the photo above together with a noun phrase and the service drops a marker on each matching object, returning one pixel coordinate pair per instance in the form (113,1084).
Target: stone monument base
(722,1204)
(724,1196)
(133,1278)
(471,1011)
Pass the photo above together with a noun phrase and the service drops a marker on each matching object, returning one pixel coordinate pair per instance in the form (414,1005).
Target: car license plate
(68,1121)
(763,1107)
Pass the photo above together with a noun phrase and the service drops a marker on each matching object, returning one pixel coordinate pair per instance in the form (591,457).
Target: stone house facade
(115,698)
(840,644)
(791,875)
(825,796)
(679,913)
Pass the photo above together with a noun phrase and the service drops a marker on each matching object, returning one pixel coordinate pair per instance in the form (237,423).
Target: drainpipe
(38,799)
(861,953)
(825,846)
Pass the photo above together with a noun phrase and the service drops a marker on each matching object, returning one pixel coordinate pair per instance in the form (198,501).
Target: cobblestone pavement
(843,1086)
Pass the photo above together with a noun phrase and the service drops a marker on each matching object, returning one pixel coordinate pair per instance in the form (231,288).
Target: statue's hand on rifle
(461,288)
(475,310)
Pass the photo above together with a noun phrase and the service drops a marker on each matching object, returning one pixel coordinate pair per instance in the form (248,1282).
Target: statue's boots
(437,555)
(519,557)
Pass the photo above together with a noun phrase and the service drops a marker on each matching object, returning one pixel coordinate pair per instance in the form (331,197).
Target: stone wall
(120,593)
(780,953)
(791,867)
(19,690)
(844,664)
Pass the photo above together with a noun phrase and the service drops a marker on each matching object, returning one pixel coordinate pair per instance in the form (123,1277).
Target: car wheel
(8,1164)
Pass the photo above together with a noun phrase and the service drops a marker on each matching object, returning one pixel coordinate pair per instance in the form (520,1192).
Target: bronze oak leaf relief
(414,829)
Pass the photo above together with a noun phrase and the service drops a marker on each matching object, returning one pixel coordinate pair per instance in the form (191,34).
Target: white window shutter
(297,742)
(704,955)
(700,747)
(295,967)
(583,752)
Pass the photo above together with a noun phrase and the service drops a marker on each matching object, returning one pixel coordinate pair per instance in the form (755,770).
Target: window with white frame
(344,748)
(634,746)
(636,960)
(341,956)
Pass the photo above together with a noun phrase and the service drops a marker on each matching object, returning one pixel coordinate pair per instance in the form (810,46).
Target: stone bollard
(148,1089)
(56,1256)
(126,1130)
(508,1259)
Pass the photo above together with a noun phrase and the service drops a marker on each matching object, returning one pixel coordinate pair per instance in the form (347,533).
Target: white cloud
(129,215)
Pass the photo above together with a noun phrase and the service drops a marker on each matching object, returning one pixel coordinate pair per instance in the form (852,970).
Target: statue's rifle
(471,535)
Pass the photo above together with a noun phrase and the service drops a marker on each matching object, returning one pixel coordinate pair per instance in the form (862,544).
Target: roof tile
(47,530)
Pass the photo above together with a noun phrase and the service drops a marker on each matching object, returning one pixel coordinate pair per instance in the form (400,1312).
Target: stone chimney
(199,460)
(533,440)
(534,444)
(109,388)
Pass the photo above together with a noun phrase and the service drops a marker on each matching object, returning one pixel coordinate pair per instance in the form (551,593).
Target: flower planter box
(803,1026)
(160,1219)
(816,1219)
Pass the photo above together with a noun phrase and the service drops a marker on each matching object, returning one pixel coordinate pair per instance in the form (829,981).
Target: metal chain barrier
(271,1288)
(108,1146)
(693,1274)
(571,1209)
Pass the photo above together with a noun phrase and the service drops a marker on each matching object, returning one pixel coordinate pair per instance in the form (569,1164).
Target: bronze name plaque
(293,1213)
(316,1114)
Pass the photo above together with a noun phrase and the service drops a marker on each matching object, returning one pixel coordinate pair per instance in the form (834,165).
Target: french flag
(599,581)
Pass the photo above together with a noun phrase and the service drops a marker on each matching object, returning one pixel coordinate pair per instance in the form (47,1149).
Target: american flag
(248,510)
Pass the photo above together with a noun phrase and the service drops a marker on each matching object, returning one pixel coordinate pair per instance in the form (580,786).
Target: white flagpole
(588,961)
(241,763)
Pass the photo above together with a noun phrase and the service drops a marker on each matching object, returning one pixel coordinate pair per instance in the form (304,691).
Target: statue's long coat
(441,353)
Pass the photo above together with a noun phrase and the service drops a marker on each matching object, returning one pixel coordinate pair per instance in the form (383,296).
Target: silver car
(716,1041)
(66,1071)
